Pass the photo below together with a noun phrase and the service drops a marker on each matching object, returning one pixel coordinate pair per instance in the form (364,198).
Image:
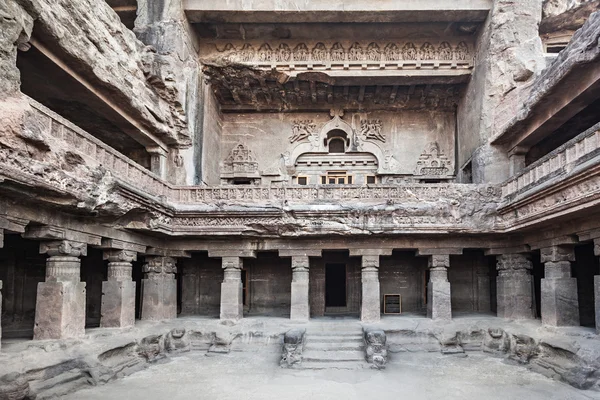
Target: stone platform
(53,368)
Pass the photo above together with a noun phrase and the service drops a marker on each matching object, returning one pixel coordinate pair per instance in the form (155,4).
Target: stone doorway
(335,288)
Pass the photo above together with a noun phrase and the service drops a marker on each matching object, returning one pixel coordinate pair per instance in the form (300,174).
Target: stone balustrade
(559,162)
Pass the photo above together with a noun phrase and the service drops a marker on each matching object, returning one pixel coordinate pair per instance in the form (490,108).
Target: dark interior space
(22,267)
(584,269)
(538,273)
(335,285)
(46,82)
(138,274)
(581,122)
(94,271)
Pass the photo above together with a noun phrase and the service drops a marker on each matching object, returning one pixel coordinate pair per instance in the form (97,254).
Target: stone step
(334,339)
(334,347)
(340,334)
(333,365)
(328,356)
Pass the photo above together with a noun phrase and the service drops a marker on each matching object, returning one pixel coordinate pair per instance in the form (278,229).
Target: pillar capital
(118,255)
(513,262)
(158,265)
(370,263)
(437,261)
(558,253)
(231,263)
(300,263)
(64,248)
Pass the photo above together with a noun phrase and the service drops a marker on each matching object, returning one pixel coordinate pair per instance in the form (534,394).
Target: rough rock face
(375,340)
(293,344)
(89,37)
(567,17)
(552,8)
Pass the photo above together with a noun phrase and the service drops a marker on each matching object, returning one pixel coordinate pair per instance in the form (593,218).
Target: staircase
(333,344)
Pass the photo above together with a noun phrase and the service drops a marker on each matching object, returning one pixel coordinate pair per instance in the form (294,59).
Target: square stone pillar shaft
(514,286)
(371,299)
(483,290)
(232,307)
(300,308)
(439,305)
(159,289)
(560,304)
(118,292)
(60,304)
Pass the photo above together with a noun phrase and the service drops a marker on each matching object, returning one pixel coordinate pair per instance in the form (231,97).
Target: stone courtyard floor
(257,376)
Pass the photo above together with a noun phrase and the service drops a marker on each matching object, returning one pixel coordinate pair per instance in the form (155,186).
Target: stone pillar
(159,289)
(560,305)
(514,286)
(60,304)
(158,161)
(300,308)
(370,310)
(232,307)
(118,292)
(439,306)
(483,289)
(516,159)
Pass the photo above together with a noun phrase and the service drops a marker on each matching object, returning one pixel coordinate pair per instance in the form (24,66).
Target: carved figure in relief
(462,51)
(247,53)
(337,52)
(284,53)
(302,129)
(301,52)
(409,52)
(391,52)
(319,52)
(371,129)
(445,51)
(373,52)
(265,52)
(240,160)
(356,52)
(427,52)
(433,162)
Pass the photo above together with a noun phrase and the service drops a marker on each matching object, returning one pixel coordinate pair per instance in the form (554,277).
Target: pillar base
(59,310)
(299,309)
(514,296)
(560,305)
(159,298)
(597,300)
(232,307)
(118,304)
(371,302)
(439,306)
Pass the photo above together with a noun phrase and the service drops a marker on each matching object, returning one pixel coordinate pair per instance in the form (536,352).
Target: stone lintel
(57,233)
(232,253)
(589,235)
(12,224)
(559,241)
(507,250)
(371,252)
(300,253)
(108,243)
(439,252)
(155,251)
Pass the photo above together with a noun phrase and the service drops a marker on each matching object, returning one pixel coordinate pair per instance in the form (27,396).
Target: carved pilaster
(514,286)
(232,307)
(560,304)
(439,305)
(159,300)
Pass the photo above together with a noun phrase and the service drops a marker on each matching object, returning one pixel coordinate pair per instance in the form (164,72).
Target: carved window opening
(337,141)
(371,179)
(337,145)
(337,178)
(302,180)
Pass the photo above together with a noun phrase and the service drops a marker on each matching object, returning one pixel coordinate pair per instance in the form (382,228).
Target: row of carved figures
(356,52)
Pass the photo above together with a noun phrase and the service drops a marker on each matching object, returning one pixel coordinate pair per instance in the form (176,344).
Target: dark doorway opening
(335,285)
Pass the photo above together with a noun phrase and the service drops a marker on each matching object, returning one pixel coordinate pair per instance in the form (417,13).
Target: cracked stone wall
(510,54)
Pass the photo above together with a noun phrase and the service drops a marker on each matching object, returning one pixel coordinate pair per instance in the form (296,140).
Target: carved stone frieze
(351,53)
(158,265)
(371,130)
(303,129)
(433,162)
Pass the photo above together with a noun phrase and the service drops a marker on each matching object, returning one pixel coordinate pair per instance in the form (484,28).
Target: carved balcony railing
(87,145)
(576,152)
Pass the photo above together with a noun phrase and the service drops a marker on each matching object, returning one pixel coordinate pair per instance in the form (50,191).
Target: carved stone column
(370,310)
(300,308)
(232,307)
(439,305)
(159,289)
(118,292)
(60,304)
(483,289)
(514,286)
(560,305)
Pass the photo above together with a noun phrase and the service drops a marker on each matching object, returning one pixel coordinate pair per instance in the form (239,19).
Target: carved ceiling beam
(393,94)
(346,92)
(361,94)
(329,94)
(313,91)
(377,97)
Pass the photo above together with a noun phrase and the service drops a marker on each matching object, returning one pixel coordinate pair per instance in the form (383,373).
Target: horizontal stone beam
(439,252)
(49,232)
(300,253)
